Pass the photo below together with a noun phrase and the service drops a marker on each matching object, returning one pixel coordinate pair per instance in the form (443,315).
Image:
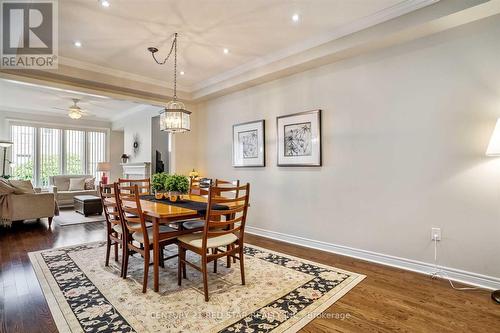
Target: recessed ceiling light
(105,3)
(182,72)
(226,51)
(78,43)
(295,17)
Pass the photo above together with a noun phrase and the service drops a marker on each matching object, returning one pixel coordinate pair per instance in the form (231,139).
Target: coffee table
(88,205)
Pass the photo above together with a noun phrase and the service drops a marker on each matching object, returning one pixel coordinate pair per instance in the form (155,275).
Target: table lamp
(193,174)
(5,145)
(494,150)
(104,167)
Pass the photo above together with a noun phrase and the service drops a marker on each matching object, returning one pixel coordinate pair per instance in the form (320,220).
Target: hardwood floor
(388,300)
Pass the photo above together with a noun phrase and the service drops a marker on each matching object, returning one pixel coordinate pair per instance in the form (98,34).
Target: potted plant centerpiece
(176,185)
(158,181)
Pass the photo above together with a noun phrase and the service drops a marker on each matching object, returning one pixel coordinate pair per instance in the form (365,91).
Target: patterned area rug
(282,294)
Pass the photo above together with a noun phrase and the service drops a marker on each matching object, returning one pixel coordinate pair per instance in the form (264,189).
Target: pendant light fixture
(174,118)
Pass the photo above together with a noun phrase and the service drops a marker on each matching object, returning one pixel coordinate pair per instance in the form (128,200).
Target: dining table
(160,212)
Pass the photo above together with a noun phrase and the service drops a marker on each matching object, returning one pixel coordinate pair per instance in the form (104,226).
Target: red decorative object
(103,167)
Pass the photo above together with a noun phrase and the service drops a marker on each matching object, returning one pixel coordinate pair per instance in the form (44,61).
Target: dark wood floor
(388,300)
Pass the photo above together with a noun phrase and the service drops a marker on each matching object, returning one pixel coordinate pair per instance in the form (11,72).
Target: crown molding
(49,113)
(406,21)
(117,73)
(386,14)
(378,17)
(442,16)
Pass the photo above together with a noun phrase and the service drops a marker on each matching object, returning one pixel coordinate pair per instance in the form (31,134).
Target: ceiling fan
(74,111)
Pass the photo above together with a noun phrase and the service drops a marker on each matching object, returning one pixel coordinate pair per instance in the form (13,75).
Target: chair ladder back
(196,189)
(235,213)
(143,185)
(109,206)
(228,183)
(130,209)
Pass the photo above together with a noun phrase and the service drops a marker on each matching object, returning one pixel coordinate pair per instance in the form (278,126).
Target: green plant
(177,183)
(158,181)
(50,166)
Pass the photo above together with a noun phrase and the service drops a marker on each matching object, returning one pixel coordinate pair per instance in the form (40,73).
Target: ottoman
(88,204)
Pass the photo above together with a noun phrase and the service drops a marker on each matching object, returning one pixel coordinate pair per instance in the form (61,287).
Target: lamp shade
(494,145)
(6,144)
(103,166)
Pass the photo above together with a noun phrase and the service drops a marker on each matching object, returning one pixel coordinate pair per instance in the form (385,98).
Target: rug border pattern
(68,323)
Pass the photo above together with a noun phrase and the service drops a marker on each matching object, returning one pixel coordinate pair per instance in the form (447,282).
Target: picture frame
(249,149)
(299,139)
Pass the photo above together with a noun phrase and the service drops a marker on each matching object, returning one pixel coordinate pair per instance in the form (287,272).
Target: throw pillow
(22,186)
(76,184)
(90,184)
(5,187)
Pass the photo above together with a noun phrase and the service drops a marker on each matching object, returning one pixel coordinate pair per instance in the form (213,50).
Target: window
(43,151)
(23,152)
(75,152)
(97,150)
(50,154)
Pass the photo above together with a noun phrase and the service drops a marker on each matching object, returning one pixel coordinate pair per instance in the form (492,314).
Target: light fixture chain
(175,67)
(168,55)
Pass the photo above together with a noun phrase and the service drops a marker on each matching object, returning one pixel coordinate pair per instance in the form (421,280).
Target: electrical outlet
(436,234)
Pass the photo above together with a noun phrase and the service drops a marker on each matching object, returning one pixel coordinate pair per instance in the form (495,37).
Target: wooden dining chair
(199,223)
(143,185)
(233,194)
(114,223)
(136,229)
(196,187)
(228,183)
(224,238)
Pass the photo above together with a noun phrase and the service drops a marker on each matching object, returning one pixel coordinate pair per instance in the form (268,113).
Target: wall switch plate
(436,234)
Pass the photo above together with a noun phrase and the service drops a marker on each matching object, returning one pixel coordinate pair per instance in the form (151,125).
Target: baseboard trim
(470,278)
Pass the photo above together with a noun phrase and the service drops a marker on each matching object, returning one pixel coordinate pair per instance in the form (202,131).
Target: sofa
(25,202)
(59,186)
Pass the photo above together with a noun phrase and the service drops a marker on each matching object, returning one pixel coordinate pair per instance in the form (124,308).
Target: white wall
(115,153)
(183,156)
(139,125)
(404,135)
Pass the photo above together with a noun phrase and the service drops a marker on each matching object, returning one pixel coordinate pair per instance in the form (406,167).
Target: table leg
(156,252)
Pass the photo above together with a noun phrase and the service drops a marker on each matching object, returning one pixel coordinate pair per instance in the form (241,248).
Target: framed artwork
(248,144)
(299,139)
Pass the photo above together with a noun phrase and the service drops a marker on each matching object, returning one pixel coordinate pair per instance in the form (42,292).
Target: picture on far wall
(299,139)
(249,144)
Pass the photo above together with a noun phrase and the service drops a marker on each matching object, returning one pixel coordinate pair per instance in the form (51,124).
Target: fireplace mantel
(139,170)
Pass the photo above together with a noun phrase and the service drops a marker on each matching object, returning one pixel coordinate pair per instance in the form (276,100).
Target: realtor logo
(29,34)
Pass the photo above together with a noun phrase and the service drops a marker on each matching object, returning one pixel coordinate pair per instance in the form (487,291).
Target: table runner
(200,207)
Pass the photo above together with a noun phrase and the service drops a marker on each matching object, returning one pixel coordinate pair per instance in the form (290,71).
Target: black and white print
(250,144)
(298,139)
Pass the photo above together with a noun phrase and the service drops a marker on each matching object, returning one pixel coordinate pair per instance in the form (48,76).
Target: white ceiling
(116,38)
(29,98)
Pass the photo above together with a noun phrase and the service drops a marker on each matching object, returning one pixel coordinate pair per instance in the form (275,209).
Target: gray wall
(404,136)
(115,153)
